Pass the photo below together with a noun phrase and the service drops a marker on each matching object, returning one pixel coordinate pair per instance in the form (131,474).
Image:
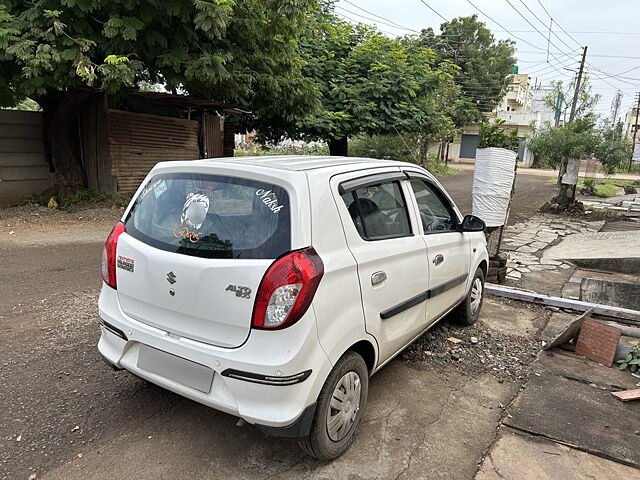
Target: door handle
(438,259)
(378,277)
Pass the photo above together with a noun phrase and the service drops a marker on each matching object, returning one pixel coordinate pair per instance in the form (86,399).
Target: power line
(377,21)
(434,10)
(376,15)
(504,28)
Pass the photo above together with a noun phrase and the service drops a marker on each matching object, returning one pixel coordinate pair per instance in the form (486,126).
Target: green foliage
(550,145)
(27,104)
(613,150)
(484,63)
(265,150)
(368,83)
(632,360)
(565,91)
(84,196)
(243,52)
(496,134)
(389,147)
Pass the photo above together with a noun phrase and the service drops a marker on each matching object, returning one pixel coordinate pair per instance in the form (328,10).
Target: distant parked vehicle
(271,288)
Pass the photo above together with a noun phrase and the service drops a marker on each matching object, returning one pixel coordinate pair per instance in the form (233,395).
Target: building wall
(24,170)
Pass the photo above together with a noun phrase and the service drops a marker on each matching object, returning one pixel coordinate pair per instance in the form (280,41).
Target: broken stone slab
(548,261)
(527,249)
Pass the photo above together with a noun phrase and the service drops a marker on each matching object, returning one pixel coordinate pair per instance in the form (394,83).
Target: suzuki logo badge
(171,278)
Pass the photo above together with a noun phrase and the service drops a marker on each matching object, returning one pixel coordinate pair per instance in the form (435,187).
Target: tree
(556,145)
(562,97)
(58,52)
(485,64)
(495,134)
(612,149)
(368,83)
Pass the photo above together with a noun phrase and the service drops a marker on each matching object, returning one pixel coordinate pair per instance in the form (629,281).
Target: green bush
(264,150)
(386,147)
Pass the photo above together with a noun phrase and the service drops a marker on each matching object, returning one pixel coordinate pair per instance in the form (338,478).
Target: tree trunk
(61,132)
(339,147)
(424,153)
(566,193)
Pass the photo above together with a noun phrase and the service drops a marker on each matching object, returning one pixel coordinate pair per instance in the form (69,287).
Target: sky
(610,29)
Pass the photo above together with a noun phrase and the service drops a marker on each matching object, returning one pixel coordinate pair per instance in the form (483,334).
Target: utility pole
(567,192)
(578,81)
(635,130)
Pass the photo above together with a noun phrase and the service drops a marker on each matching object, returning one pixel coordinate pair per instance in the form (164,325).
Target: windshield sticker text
(148,187)
(184,232)
(159,188)
(269,199)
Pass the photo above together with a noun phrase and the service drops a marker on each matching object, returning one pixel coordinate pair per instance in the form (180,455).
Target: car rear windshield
(212,216)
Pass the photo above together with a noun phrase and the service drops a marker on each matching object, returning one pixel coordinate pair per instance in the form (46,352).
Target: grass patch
(605,191)
(439,169)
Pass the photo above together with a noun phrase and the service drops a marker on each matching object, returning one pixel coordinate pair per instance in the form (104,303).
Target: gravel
(479,349)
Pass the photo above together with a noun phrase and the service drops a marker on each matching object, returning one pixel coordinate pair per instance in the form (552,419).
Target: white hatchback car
(271,288)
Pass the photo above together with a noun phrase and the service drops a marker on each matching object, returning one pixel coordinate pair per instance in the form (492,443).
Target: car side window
(435,212)
(378,211)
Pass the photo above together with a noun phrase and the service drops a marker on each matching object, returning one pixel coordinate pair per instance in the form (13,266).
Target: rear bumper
(279,409)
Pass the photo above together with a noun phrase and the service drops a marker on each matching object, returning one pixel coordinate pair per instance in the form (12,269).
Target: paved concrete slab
(518,456)
(418,424)
(511,321)
(558,322)
(571,366)
(611,251)
(579,414)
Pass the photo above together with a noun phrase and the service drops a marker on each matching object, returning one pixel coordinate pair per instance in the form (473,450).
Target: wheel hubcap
(476,296)
(344,406)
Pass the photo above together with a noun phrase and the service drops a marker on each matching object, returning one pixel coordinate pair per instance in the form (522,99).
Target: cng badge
(242,292)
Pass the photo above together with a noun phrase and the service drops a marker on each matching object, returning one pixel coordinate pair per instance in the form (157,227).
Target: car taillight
(109,256)
(287,289)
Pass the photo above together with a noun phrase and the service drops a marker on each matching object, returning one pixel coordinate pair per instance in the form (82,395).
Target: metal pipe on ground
(623,315)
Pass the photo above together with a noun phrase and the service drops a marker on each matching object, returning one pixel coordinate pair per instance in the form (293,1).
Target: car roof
(305,163)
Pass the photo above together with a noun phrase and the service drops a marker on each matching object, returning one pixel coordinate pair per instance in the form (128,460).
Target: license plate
(175,368)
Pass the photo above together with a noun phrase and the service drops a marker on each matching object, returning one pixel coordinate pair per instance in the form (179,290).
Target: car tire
(333,430)
(468,311)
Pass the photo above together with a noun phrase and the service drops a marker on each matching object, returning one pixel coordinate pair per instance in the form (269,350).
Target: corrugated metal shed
(138,141)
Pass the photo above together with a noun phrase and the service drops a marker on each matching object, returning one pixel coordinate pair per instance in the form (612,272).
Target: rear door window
(212,216)
(378,211)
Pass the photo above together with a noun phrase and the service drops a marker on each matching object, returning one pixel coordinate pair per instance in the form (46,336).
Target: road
(67,415)
(532,191)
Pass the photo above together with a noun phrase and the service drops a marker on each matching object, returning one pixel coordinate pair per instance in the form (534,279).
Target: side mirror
(471,223)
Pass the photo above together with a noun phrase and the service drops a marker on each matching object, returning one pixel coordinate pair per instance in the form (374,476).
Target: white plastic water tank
(492,183)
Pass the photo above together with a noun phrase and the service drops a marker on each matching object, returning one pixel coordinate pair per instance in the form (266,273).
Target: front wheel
(339,410)
(468,311)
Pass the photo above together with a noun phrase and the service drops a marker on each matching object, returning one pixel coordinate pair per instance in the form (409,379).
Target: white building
(523,108)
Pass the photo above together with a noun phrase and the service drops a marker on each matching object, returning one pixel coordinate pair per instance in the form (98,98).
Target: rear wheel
(468,311)
(339,410)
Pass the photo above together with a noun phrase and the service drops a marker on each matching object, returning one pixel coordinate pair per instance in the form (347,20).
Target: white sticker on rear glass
(159,188)
(195,210)
(269,199)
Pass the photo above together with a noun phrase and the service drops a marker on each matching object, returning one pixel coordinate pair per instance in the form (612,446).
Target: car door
(447,247)
(391,257)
